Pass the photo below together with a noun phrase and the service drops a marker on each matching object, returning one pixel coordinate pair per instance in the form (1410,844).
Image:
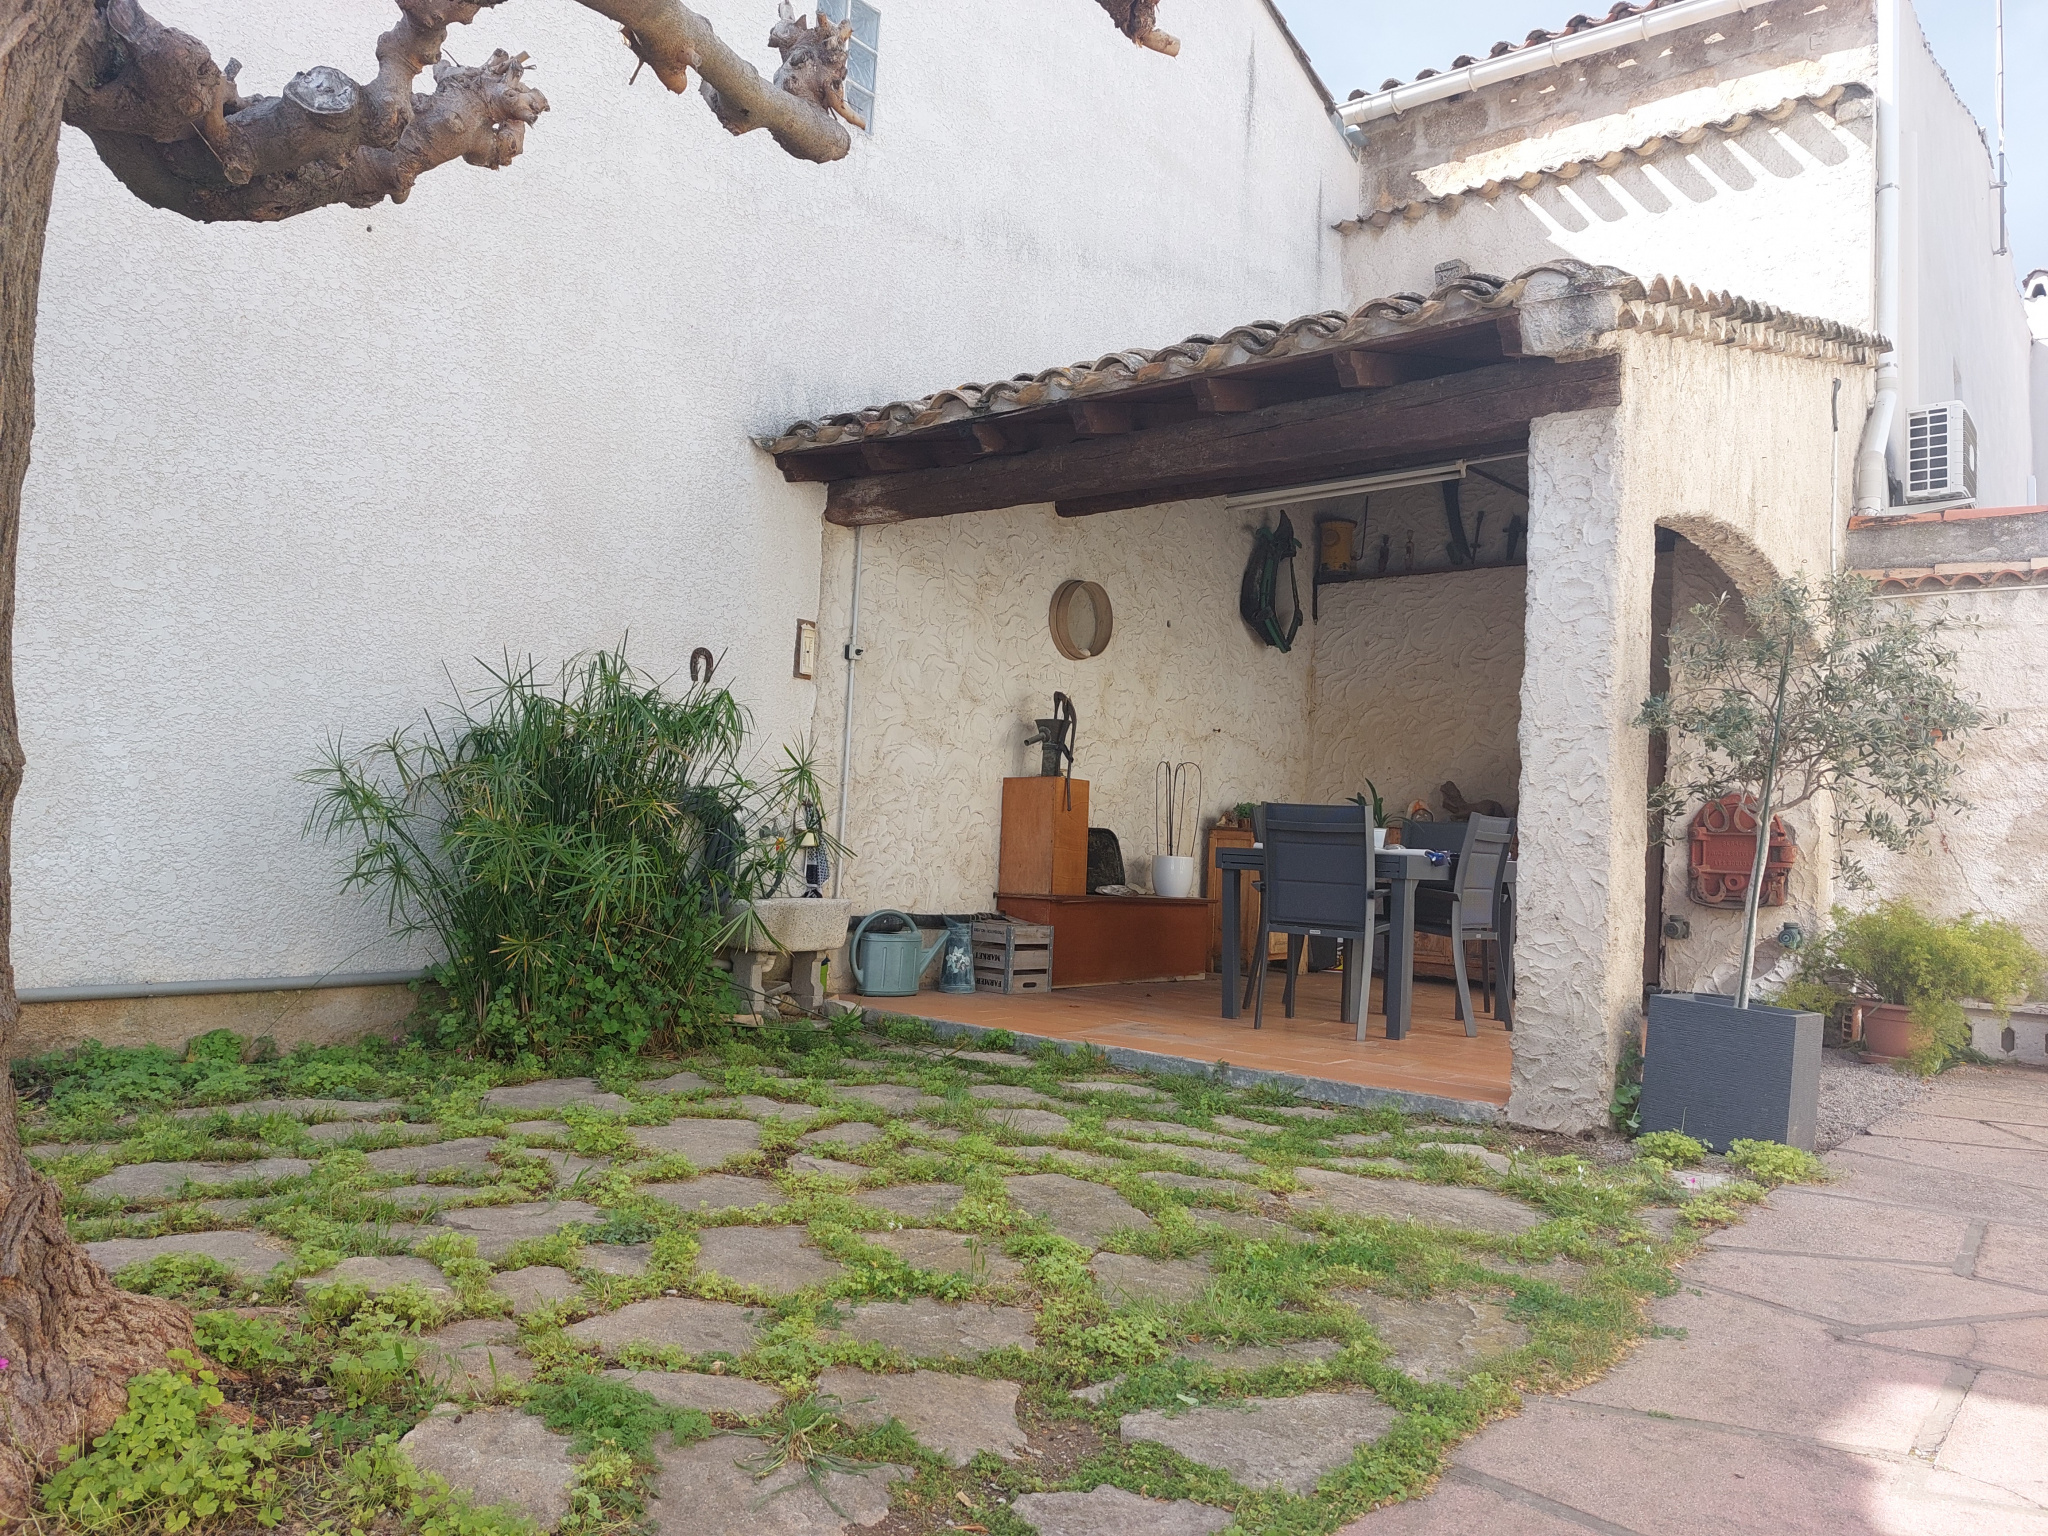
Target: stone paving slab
(1266,1441)
(923,1200)
(2013,1256)
(1908,1125)
(1892,1182)
(534,1287)
(706,1143)
(889,1096)
(1194,1182)
(693,1326)
(1257,1229)
(1124,1277)
(537,1128)
(949,1253)
(762,1108)
(1817,1222)
(1167,1128)
(1343,1194)
(1257,1357)
(734,1395)
(556,1093)
(497,1227)
(1360,1143)
(567,1167)
(1111,1511)
(1437,1338)
(702,1491)
(1746,1363)
(2020,1344)
(1458,1507)
(478,1354)
(2003,1411)
(1302,1112)
(1115,1086)
(627,1259)
(925,1329)
(1857,1291)
(675,1082)
(499,1456)
(830,1167)
(714,1192)
(1029,1124)
(773,1259)
(1218,1160)
(466,1154)
(850,1133)
(246,1253)
(994,1058)
(1094,1161)
(50,1151)
(386,1274)
(1004,1093)
(2025,1166)
(1243,1127)
(1082,1212)
(155,1181)
(956,1416)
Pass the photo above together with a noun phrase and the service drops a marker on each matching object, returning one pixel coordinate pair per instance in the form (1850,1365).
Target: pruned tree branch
(1135,18)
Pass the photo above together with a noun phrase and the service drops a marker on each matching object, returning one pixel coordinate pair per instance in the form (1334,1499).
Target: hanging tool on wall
(1055,741)
(1257,596)
(1454,519)
(1518,528)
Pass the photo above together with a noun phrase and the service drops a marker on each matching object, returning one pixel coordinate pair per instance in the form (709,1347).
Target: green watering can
(888,964)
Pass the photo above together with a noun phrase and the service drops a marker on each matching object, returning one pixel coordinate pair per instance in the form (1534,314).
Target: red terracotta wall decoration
(1721,851)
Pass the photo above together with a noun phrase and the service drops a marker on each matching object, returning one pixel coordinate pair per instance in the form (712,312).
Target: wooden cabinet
(1100,939)
(1045,838)
(1212,888)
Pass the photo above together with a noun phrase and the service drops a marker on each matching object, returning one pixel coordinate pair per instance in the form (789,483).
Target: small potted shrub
(1919,971)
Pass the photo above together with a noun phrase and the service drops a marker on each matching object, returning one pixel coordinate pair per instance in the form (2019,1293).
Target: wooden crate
(1012,957)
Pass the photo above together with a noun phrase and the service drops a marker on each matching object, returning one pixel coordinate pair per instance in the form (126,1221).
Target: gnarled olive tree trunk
(70,1339)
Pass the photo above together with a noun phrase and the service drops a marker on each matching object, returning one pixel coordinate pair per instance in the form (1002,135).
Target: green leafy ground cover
(331,1374)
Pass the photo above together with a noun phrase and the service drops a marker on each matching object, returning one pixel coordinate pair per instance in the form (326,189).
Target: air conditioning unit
(1941,453)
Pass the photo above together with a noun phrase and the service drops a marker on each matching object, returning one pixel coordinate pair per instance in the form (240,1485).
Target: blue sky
(1356,44)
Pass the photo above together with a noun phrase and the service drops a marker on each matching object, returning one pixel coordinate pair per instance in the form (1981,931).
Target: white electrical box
(1941,453)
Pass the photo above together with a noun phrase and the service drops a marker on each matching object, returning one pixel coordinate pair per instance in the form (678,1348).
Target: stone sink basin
(797,923)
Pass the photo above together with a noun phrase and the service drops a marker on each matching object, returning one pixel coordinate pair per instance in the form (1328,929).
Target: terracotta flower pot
(1888,1029)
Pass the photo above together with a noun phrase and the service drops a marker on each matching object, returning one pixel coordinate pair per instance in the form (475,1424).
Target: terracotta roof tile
(1579,23)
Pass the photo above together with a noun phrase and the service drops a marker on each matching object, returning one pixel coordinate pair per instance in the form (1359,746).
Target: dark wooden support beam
(1510,326)
(1226,397)
(1101,418)
(1376,370)
(885,457)
(1287,444)
(992,438)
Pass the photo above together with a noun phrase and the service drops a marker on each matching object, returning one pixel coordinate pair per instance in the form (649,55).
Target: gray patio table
(1403,869)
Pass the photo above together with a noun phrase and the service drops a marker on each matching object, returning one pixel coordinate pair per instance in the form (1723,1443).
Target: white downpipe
(1526,61)
(1873,485)
(846,716)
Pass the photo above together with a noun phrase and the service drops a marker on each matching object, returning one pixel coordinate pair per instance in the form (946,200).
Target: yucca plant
(571,845)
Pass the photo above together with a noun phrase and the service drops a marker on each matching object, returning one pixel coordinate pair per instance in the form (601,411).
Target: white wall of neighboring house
(284,475)
(1963,330)
(2035,297)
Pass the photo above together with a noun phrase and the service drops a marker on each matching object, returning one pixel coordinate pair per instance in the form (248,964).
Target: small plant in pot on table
(1804,691)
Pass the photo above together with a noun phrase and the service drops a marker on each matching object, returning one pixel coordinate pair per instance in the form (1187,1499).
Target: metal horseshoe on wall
(709,664)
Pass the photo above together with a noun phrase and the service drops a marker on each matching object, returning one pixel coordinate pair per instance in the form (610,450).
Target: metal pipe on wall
(96,992)
(1873,479)
(846,714)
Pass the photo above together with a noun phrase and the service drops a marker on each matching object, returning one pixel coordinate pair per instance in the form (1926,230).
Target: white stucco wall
(1988,859)
(1744,214)
(284,474)
(1418,679)
(1963,333)
(959,662)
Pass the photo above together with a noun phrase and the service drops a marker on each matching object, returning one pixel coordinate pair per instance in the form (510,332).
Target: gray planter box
(1721,1073)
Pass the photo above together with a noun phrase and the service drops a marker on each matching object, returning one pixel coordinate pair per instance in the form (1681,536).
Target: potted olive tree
(1806,690)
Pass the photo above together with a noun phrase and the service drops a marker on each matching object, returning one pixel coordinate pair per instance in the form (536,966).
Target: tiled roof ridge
(1663,306)
(1622,11)
(1572,168)
(1960,576)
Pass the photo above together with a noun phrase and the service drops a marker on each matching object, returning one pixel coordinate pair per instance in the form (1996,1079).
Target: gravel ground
(1854,1094)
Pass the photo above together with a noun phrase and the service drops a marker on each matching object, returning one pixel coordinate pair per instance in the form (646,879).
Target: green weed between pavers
(367,1351)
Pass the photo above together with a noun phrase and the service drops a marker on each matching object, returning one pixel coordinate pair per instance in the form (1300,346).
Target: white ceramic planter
(1173,874)
(792,923)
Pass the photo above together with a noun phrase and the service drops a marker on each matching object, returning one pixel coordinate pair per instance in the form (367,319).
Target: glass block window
(861,53)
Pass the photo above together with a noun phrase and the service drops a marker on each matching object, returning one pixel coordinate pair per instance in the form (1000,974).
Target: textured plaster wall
(1418,680)
(959,663)
(1963,333)
(284,474)
(1988,859)
(1602,482)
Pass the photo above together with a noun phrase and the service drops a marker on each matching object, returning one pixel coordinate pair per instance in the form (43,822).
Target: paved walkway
(1867,1356)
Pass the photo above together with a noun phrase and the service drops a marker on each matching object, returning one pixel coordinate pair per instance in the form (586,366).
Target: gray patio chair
(1318,882)
(1471,908)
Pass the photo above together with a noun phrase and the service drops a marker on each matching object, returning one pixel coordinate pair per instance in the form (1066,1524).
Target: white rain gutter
(1526,61)
(1873,483)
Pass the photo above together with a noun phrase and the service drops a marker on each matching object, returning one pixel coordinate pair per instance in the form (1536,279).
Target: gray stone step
(1263,1442)
(733,1395)
(246,1253)
(705,1490)
(555,1093)
(693,1326)
(1082,1212)
(956,1416)
(1110,1511)
(777,1260)
(498,1456)
(925,1329)
(156,1181)
(497,1227)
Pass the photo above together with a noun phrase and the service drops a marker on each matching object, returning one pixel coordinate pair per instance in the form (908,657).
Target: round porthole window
(1081,620)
